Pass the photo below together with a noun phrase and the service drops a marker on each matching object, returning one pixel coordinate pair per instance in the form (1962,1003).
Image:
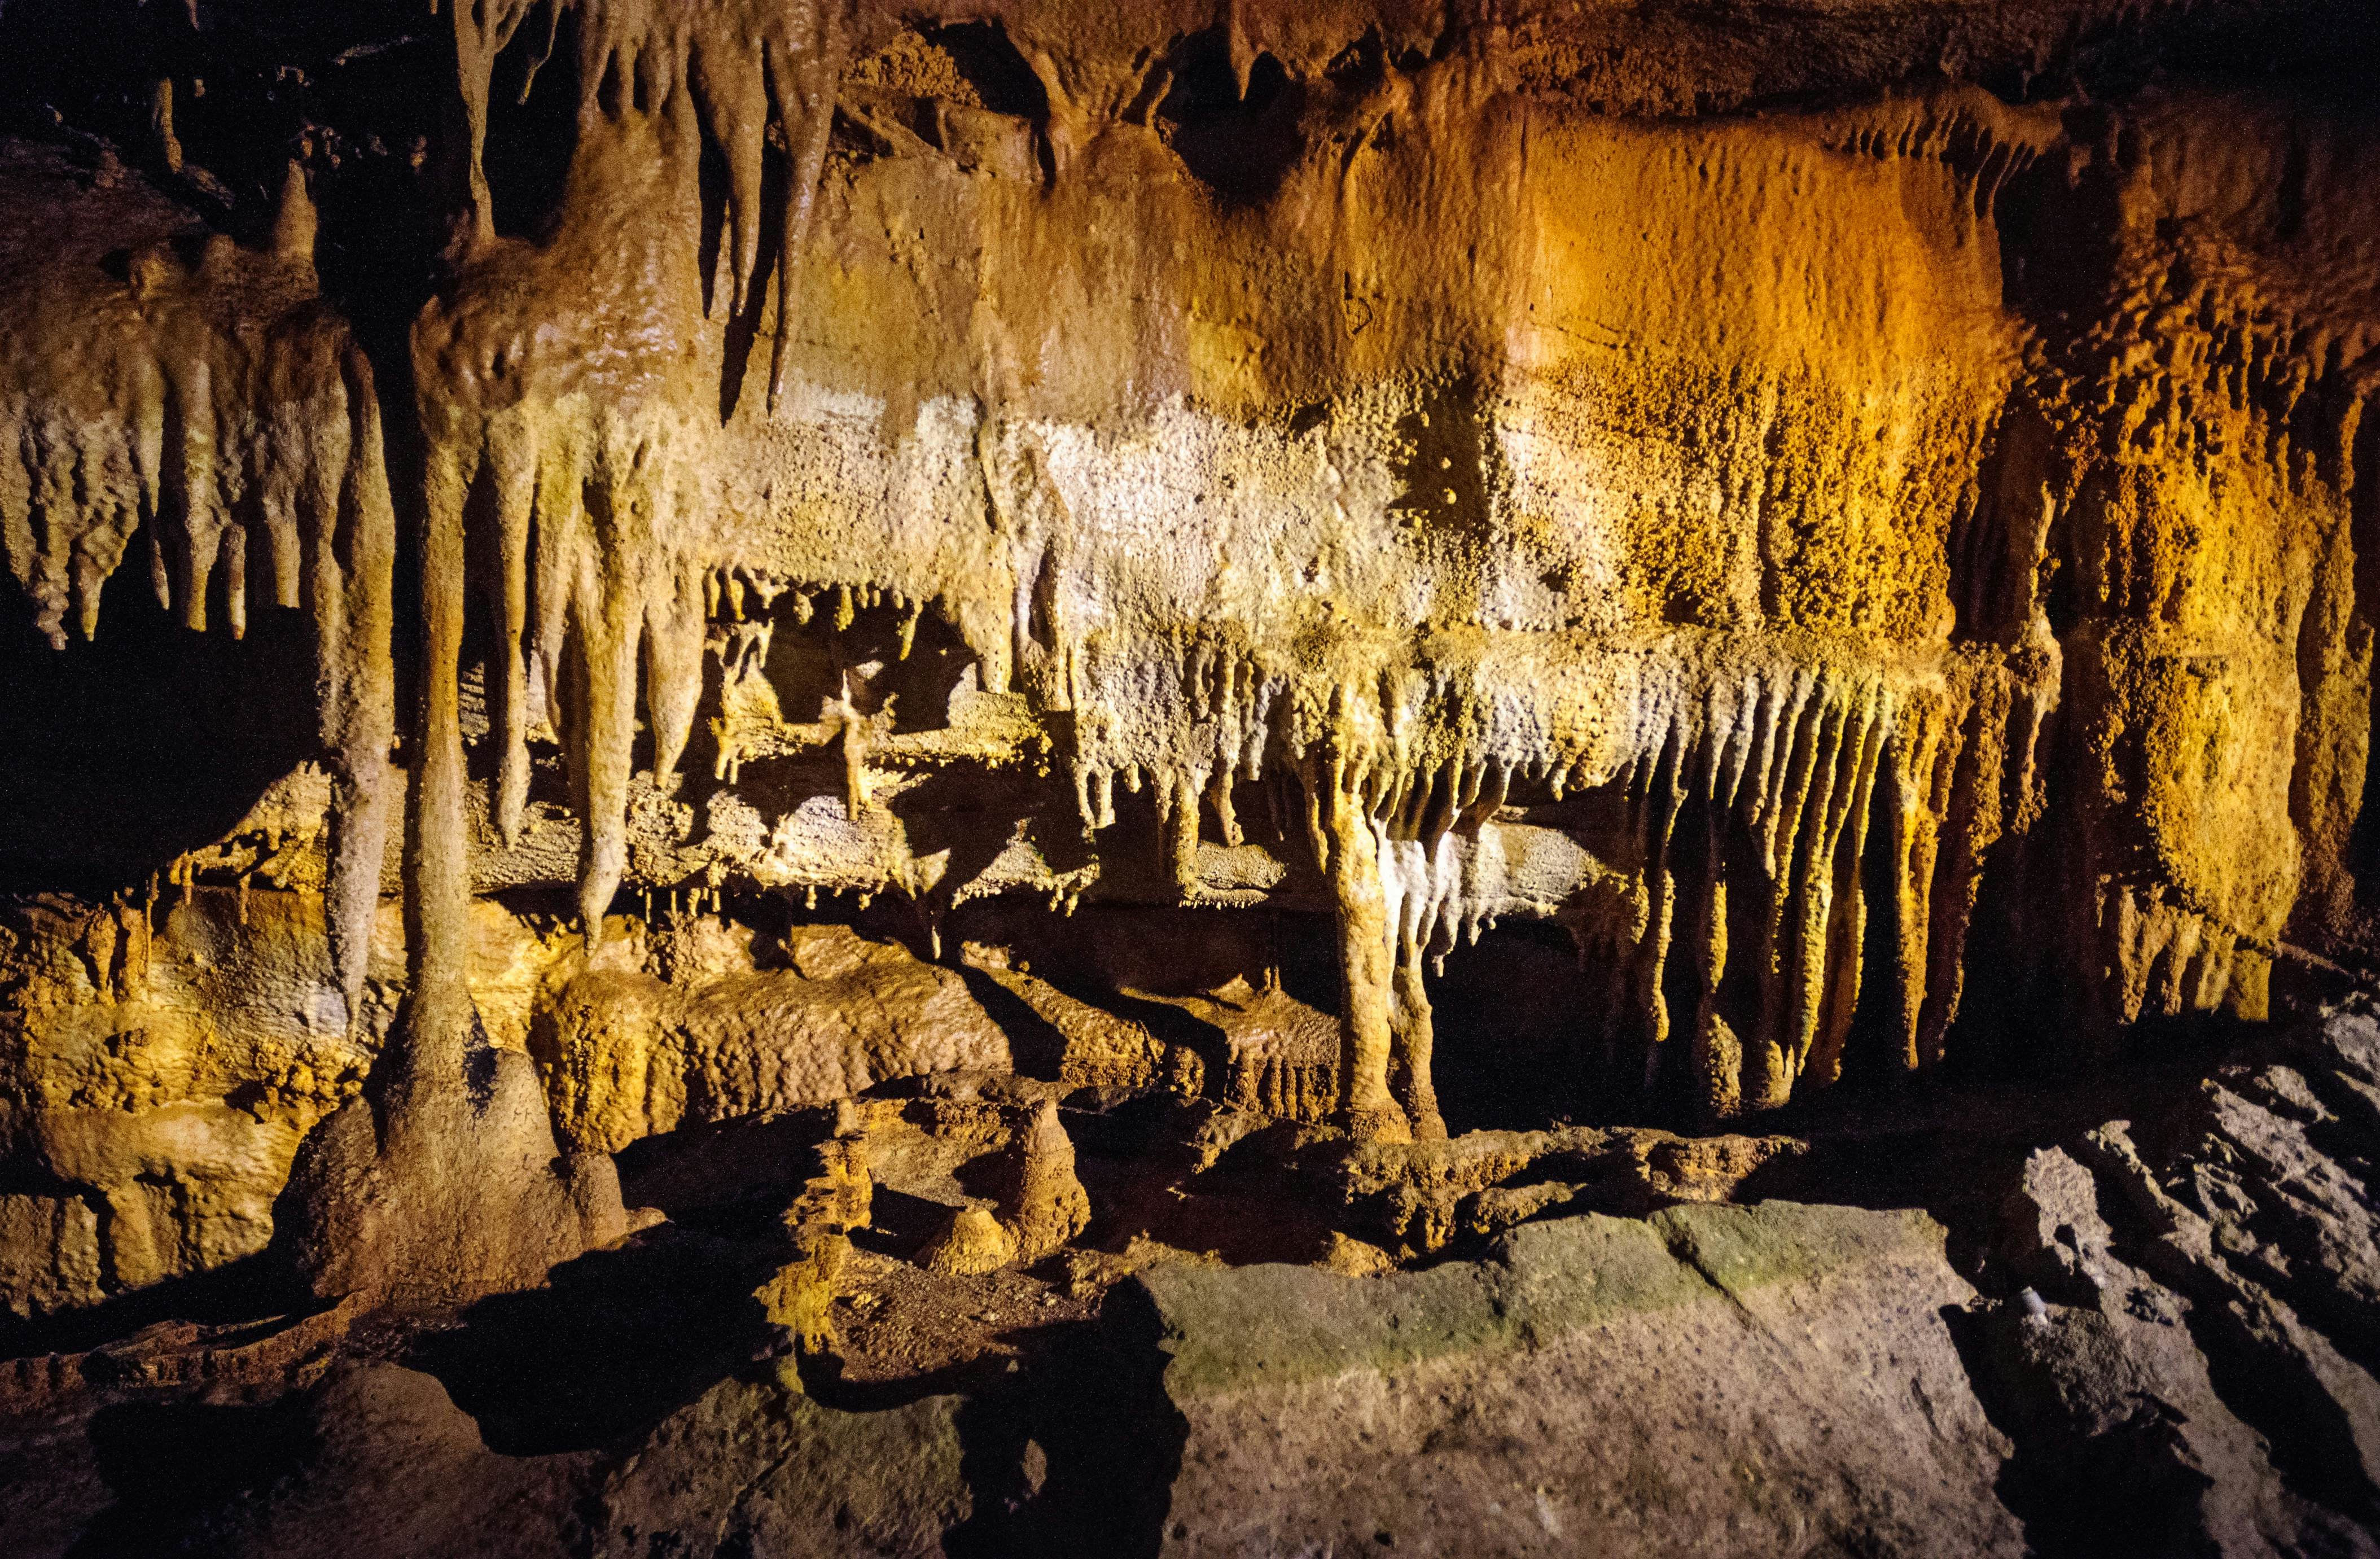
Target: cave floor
(194,1420)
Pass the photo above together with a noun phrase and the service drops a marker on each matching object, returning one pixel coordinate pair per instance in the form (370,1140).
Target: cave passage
(813,777)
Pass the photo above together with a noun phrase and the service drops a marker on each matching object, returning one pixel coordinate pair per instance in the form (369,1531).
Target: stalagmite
(1042,1203)
(853,727)
(446,1185)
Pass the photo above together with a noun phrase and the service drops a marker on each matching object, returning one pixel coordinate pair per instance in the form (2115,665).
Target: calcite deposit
(1298,714)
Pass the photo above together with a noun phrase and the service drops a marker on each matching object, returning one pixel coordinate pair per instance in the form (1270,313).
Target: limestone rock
(1852,522)
(627,1054)
(394,1467)
(156,1097)
(1043,1205)
(1804,1347)
(398,1469)
(49,1256)
(1423,1194)
(974,1241)
(2236,1250)
(1355,1257)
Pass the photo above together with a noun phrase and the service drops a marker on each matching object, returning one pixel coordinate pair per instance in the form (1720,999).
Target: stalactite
(1783,758)
(748,65)
(1835,1000)
(173,418)
(601,487)
(599,517)
(1716,1050)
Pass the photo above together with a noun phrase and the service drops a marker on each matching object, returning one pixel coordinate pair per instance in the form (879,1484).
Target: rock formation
(1197,634)
(2244,1232)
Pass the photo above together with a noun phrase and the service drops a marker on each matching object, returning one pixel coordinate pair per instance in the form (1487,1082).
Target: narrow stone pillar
(1366,1037)
(1413,1039)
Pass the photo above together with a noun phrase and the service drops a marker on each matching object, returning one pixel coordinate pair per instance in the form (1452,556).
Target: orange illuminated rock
(1875,564)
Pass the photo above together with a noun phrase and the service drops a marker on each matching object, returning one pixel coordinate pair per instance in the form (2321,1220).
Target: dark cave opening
(1515,1015)
(155,740)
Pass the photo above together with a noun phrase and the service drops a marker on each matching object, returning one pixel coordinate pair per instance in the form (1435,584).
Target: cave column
(439,894)
(1411,1039)
(1718,1053)
(1352,852)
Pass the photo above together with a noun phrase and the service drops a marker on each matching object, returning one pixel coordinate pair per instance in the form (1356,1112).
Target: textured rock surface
(973,610)
(1538,1403)
(632,1054)
(1503,1408)
(757,1465)
(2169,1355)
(2193,1371)
(1800,552)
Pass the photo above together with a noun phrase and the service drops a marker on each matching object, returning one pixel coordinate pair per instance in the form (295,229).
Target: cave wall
(1833,527)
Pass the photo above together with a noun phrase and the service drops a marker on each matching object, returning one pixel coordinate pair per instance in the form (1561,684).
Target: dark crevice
(990,63)
(1093,1400)
(1239,145)
(172,1464)
(154,740)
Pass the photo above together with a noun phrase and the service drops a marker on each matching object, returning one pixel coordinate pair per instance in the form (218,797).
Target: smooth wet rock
(1713,1379)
